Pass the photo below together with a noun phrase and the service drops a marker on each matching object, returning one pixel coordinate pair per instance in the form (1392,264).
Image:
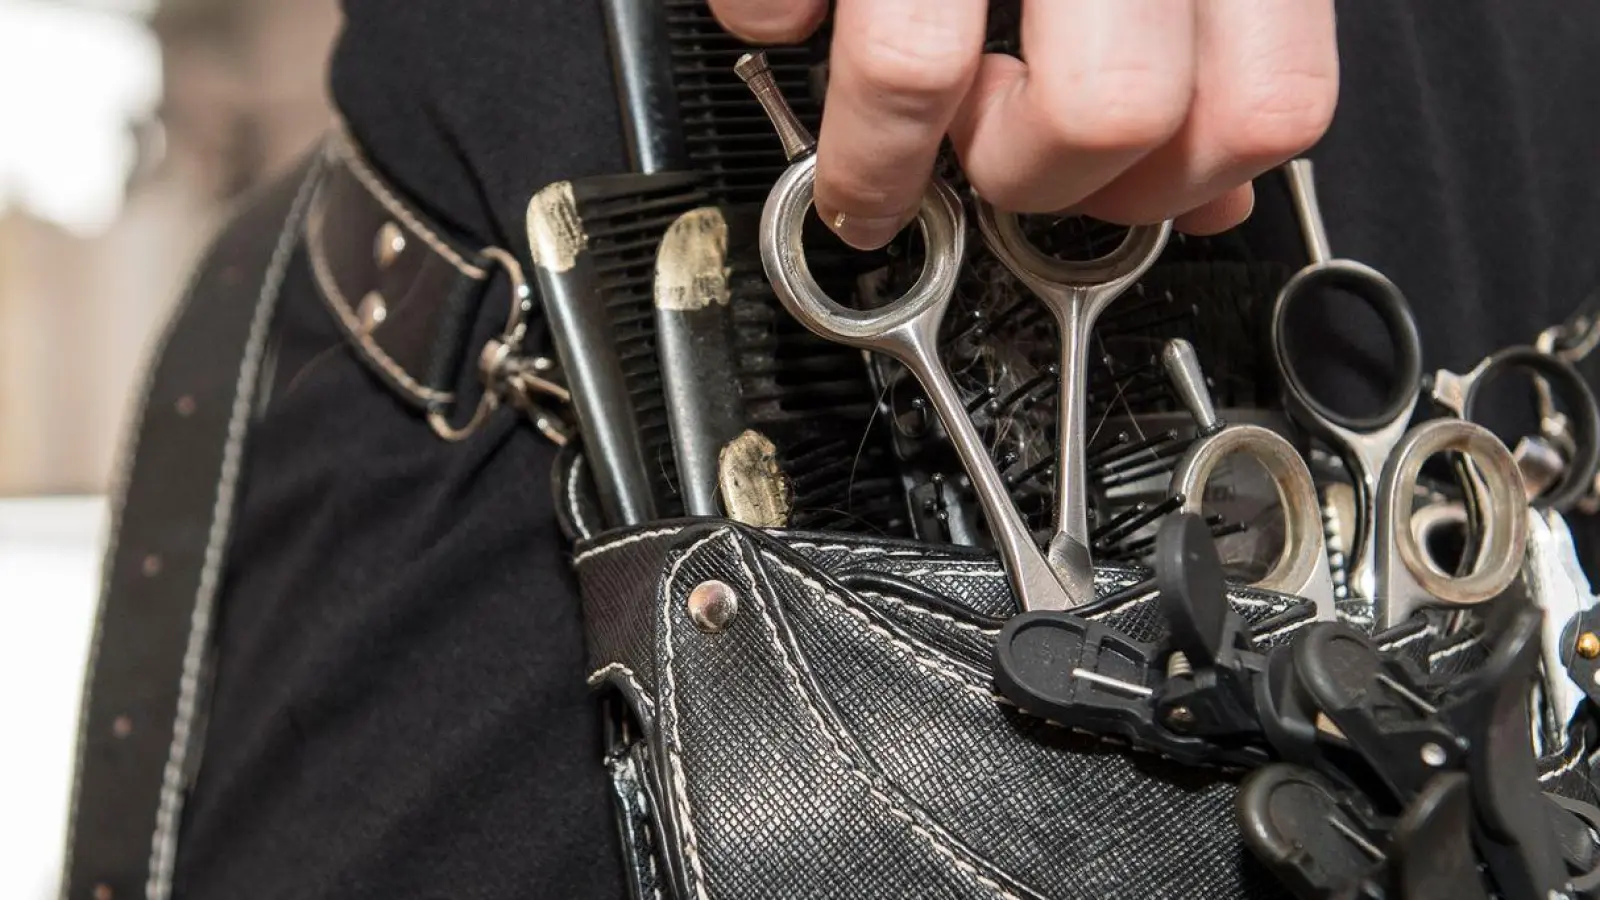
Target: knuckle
(916,67)
(1118,109)
(1279,116)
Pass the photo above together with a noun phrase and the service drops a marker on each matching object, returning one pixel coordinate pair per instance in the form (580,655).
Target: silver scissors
(1076,293)
(1363,443)
(1302,565)
(1576,434)
(1407,577)
(1558,586)
(907,330)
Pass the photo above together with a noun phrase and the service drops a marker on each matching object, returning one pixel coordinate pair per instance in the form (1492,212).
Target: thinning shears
(907,330)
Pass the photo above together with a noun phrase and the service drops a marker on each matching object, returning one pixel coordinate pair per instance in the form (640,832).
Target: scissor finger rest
(1302,565)
(1408,580)
(922,307)
(1111,273)
(1461,395)
(1385,299)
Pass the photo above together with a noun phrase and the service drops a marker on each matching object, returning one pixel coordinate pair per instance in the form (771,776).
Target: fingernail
(864,232)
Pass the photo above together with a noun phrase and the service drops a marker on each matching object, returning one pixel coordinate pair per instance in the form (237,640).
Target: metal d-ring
(496,355)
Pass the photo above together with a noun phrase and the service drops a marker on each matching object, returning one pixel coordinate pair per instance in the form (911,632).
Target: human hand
(1132,111)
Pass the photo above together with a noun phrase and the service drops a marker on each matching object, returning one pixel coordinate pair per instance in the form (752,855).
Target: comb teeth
(727,137)
(624,233)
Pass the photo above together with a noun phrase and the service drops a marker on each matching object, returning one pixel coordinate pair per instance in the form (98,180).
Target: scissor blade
(1556,583)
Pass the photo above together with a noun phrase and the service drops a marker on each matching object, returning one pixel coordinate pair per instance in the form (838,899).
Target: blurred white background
(127,128)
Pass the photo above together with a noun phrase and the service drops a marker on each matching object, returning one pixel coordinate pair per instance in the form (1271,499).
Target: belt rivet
(150,565)
(712,606)
(121,726)
(373,311)
(391,242)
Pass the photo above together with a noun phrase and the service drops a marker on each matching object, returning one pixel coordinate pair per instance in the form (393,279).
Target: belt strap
(407,296)
(143,708)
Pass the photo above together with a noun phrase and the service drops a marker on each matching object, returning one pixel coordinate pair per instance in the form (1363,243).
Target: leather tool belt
(795,713)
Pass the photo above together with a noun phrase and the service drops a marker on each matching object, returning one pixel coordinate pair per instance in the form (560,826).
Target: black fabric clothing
(399,708)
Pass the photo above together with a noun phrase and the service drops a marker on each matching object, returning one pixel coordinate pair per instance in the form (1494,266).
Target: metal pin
(796,138)
(1302,186)
(1183,367)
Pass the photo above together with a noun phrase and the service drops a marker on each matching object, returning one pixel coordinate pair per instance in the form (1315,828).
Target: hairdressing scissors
(1575,433)
(1558,586)
(1407,578)
(1362,442)
(1301,568)
(1076,292)
(907,330)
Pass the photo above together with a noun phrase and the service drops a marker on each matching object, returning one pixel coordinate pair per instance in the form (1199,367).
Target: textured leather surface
(840,743)
(143,708)
(426,288)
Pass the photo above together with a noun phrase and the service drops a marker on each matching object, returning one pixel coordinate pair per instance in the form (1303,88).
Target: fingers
(1219,214)
(770,21)
(898,71)
(1106,82)
(1266,82)
(1142,110)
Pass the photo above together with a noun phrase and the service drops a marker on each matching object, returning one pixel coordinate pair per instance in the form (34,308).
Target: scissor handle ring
(1140,247)
(1385,299)
(1303,552)
(1503,513)
(944,234)
(1575,483)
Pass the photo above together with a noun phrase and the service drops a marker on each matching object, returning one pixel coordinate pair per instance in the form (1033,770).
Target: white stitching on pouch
(341,307)
(937,616)
(1408,639)
(1280,632)
(619,543)
(603,674)
(926,663)
(572,499)
(1570,764)
(163,843)
(696,875)
(917,823)
(345,148)
(845,548)
(1448,652)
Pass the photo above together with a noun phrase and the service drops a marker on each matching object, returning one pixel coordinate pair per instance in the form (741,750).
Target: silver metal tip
(797,141)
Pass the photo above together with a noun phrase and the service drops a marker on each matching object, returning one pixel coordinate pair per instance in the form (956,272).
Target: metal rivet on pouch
(150,565)
(102,892)
(185,405)
(712,606)
(1588,645)
(121,726)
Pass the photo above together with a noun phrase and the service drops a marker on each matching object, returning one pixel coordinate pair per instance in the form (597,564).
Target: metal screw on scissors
(1076,292)
(1302,565)
(906,329)
(1362,442)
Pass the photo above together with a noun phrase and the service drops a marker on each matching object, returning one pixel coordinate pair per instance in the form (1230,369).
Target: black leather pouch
(814,716)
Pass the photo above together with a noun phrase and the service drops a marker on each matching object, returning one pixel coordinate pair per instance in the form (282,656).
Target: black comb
(594,243)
